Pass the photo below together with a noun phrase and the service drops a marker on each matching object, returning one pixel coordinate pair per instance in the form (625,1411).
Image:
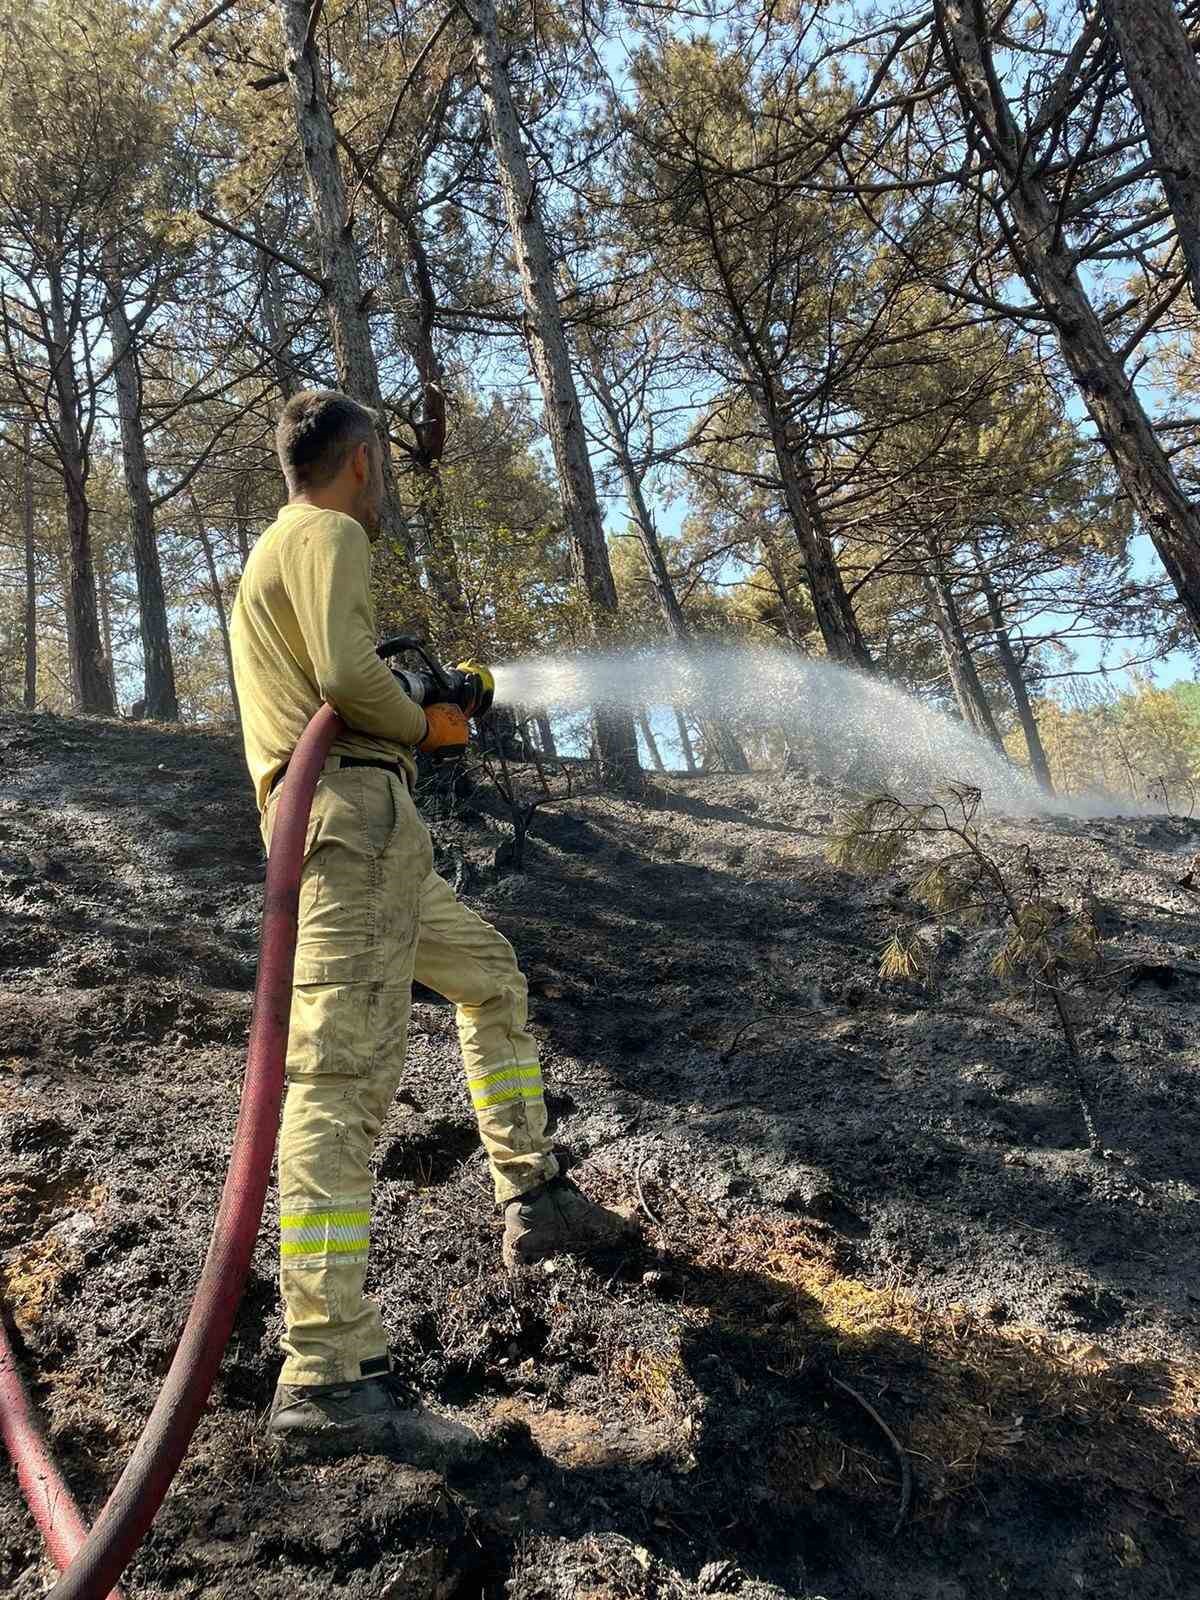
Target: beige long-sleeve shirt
(303,632)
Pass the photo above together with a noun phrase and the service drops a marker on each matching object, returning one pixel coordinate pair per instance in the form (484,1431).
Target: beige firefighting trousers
(374,915)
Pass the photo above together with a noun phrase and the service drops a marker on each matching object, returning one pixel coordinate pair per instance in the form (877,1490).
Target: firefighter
(373,916)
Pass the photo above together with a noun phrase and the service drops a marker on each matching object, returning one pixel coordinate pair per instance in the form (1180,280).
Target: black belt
(393,767)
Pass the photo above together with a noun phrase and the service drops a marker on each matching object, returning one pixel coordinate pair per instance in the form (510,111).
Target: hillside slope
(853,1184)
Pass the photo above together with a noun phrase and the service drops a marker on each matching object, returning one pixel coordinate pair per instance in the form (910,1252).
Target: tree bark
(241,523)
(721,737)
(968,691)
(346,304)
(287,379)
(30,567)
(647,733)
(218,603)
(616,737)
(545,732)
(831,604)
(103,596)
(1016,683)
(64,577)
(720,734)
(1046,264)
(161,699)
(647,533)
(793,622)
(90,677)
(440,556)
(685,740)
(1164,80)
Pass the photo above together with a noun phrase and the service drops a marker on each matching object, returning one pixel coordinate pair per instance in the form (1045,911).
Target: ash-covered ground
(854,1183)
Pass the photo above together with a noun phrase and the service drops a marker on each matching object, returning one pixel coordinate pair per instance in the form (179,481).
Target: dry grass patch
(31,1276)
(32,1271)
(971,1403)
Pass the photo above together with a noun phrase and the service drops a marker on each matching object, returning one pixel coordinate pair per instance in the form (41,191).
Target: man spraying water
(373,916)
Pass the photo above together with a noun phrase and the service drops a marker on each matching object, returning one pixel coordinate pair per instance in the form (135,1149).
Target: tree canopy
(868,333)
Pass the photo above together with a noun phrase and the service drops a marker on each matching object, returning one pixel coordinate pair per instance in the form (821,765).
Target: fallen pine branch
(637,1179)
(730,1049)
(906,1473)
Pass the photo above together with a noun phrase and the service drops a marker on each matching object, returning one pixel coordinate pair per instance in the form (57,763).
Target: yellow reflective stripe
(316,1233)
(516,1069)
(506,1086)
(340,1235)
(337,1219)
(507,1096)
(321,1247)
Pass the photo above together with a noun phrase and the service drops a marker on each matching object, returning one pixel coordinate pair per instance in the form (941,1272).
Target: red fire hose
(92,1562)
(56,1513)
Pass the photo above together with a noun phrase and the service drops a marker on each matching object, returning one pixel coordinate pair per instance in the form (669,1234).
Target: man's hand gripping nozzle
(449,695)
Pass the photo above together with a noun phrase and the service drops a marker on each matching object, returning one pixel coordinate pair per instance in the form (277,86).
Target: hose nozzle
(481,681)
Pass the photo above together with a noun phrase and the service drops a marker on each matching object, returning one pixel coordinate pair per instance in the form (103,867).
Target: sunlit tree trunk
(968,691)
(30,567)
(287,379)
(1164,80)
(161,700)
(90,677)
(217,600)
(104,597)
(685,740)
(616,737)
(346,304)
(1044,257)
(1016,683)
(545,732)
(647,733)
(439,555)
(720,734)
(831,604)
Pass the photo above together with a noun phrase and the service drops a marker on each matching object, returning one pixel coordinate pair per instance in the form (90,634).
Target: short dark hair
(317,430)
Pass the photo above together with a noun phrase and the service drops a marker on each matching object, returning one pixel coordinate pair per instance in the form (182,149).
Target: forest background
(861,331)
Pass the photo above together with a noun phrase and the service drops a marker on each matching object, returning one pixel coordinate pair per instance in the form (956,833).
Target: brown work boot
(556,1216)
(365,1417)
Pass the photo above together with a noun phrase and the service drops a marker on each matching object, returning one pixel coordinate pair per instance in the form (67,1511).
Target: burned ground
(853,1183)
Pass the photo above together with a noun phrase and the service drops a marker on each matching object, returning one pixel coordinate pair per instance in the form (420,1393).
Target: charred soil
(866,1198)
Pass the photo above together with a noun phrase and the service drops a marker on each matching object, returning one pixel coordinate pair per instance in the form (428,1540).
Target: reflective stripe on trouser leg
(464,958)
(304,1234)
(506,1086)
(368,854)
